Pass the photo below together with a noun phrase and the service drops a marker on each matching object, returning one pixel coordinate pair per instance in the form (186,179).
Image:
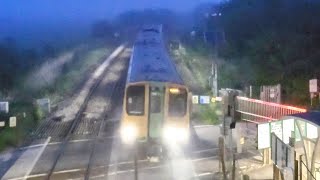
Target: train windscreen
(177,102)
(135,100)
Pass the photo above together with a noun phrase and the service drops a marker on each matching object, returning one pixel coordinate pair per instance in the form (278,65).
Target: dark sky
(35,10)
(35,21)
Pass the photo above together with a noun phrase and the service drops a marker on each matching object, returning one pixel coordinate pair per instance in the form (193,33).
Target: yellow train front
(156,102)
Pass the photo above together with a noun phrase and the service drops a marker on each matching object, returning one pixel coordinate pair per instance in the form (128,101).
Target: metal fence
(261,111)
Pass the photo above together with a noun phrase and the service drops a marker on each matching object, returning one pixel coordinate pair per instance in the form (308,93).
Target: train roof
(150,60)
(154,27)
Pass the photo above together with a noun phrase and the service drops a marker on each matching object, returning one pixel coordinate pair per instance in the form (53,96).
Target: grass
(84,61)
(67,83)
(197,61)
(207,114)
(26,120)
(194,68)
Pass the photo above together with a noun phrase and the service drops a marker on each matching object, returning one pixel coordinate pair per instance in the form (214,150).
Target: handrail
(309,172)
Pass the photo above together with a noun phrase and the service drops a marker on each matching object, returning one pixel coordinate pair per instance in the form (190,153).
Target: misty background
(34,32)
(49,48)
(36,22)
(256,43)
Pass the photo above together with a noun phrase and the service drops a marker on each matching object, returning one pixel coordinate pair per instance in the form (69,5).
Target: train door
(156,111)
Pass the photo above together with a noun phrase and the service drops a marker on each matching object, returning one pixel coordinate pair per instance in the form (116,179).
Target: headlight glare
(175,135)
(128,134)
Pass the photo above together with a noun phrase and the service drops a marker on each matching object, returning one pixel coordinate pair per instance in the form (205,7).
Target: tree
(101,29)
(48,50)
(279,39)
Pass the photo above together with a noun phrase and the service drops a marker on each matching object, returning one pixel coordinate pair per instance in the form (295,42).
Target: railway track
(86,127)
(57,129)
(105,94)
(116,92)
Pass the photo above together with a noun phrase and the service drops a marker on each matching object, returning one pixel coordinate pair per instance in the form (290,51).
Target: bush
(28,116)
(8,138)
(209,113)
(37,114)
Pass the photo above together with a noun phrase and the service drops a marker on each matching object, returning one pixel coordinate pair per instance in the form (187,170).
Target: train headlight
(128,134)
(175,135)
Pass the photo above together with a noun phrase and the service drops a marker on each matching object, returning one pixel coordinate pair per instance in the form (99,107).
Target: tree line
(272,41)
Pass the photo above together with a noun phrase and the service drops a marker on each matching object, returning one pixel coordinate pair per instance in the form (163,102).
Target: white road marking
(98,176)
(115,172)
(204,150)
(203,126)
(32,146)
(37,158)
(204,174)
(68,171)
(77,170)
(121,172)
(85,140)
(72,141)
(154,167)
(30,176)
(129,162)
(201,159)
(147,168)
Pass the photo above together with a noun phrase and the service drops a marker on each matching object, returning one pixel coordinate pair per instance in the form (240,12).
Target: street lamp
(216,14)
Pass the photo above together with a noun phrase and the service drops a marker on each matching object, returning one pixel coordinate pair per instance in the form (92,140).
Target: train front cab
(156,112)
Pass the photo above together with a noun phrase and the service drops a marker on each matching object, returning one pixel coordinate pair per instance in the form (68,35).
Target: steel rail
(77,120)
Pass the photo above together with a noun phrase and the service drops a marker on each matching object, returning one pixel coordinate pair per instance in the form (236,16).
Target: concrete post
(222,157)
(239,140)
(266,156)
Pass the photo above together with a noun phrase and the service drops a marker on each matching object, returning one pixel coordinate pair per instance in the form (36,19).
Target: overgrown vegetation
(194,66)
(270,42)
(263,42)
(71,75)
(257,43)
(27,116)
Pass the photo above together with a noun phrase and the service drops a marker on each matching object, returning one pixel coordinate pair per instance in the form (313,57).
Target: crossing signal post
(228,118)
(229,107)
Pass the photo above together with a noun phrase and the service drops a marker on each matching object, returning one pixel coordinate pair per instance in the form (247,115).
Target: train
(157,103)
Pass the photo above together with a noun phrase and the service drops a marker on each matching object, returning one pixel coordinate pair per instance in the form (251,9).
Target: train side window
(135,100)
(177,102)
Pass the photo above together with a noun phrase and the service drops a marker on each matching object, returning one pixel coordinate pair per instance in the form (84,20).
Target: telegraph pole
(214,66)
(214,75)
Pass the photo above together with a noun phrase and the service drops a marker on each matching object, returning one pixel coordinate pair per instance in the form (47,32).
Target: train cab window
(177,102)
(135,100)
